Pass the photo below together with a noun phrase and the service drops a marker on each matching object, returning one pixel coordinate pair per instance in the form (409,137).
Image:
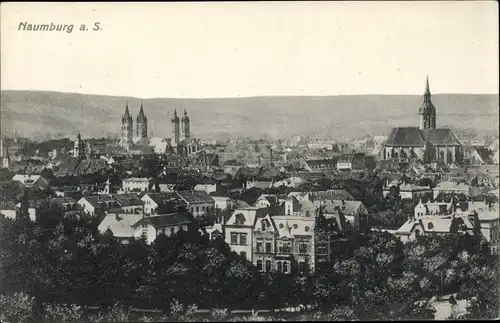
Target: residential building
(483,156)
(150,227)
(407,190)
(432,225)
(224,203)
(267,200)
(432,208)
(94,204)
(199,203)
(129,203)
(120,225)
(352,161)
(207,187)
(157,203)
(29,180)
(448,187)
(136,184)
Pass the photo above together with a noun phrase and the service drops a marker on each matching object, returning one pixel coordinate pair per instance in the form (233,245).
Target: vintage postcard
(249,161)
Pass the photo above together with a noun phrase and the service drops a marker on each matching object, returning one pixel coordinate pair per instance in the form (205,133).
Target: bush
(16,308)
(62,313)
(117,313)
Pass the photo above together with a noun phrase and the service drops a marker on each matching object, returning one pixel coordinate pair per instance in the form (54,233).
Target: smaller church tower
(78,149)
(186,134)
(427,110)
(126,138)
(176,127)
(141,125)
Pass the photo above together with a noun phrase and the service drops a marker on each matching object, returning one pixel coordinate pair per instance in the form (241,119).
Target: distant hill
(42,115)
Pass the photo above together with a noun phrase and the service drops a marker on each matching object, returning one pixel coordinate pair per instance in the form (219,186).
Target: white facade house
(238,230)
(223,203)
(408,191)
(448,187)
(149,228)
(209,188)
(134,184)
(120,225)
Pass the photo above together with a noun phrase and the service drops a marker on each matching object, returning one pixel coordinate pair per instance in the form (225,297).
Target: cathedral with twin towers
(181,142)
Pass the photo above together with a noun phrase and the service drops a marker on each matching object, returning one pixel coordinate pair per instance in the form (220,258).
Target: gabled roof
(127,199)
(405,136)
(164,220)
(485,154)
(120,225)
(439,137)
(195,196)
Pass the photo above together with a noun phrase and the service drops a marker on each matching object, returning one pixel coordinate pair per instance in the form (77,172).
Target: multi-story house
(448,187)
(276,242)
(199,203)
(136,184)
(150,227)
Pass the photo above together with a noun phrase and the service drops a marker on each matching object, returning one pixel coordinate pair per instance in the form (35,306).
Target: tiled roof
(195,196)
(165,220)
(440,137)
(405,136)
(485,154)
(127,199)
(120,225)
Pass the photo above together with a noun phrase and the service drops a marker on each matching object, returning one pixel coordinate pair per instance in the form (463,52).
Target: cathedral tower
(127,129)
(185,126)
(78,149)
(141,125)
(175,128)
(427,110)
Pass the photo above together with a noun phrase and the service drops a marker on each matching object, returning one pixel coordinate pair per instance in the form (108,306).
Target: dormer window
(240,219)
(430,226)
(265,225)
(295,226)
(281,226)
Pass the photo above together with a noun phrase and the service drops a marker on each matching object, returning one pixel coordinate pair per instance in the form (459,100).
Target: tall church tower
(78,149)
(186,134)
(427,110)
(141,125)
(175,127)
(127,129)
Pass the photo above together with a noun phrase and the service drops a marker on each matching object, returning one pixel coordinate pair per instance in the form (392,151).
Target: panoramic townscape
(131,226)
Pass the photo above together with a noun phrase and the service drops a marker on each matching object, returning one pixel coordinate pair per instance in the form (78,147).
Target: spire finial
(427,88)
(185,112)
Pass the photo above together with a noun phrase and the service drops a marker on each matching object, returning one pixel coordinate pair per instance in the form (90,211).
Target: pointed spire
(185,112)
(427,88)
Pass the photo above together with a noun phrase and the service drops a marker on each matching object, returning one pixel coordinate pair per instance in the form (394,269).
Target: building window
(279,266)
(259,246)
(268,265)
(243,254)
(284,247)
(281,226)
(240,219)
(144,226)
(430,226)
(303,247)
(268,247)
(417,232)
(243,239)
(302,266)
(295,226)
(172,231)
(234,238)
(306,228)
(260,265)
(285,267)
(197,209)
(265,225)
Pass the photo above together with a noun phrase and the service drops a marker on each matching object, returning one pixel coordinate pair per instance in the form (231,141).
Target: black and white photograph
(249,161)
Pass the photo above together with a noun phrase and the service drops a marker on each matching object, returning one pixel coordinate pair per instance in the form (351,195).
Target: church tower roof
(185,117)
(427,107)
(126,117)
(175,118)
(141,117)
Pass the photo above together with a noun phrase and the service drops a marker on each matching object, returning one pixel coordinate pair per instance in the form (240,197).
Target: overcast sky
(254,48)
